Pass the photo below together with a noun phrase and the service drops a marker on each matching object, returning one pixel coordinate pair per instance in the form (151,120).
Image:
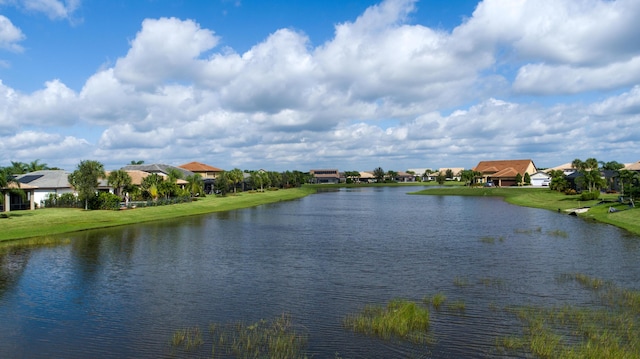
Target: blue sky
(314,84)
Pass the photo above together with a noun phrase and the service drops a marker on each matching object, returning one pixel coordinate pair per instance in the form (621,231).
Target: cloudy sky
(296,85)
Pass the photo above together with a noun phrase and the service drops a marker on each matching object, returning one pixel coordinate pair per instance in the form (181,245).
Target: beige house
(504,172)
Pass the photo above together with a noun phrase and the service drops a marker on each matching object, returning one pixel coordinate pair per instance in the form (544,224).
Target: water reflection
(121,292)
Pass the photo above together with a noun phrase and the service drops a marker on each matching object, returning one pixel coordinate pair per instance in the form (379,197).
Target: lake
(123,292)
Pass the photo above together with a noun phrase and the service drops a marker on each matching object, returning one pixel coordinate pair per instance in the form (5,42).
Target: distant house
(160,169)
(325,176)
(540,179)
(405,177)
(366,177)
(504,172)
(202,169)
(456,171)
(635,166)
(567,168)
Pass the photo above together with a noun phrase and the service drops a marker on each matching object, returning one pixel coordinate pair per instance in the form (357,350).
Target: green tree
(235,176)
(18,168)
(222,183)
(275,179)
(449,174)
(591,176)
(378,174)
(151,185)
(195,185)
(558,181)
(136,162)
(441,178)
(527,179)
(36,166)
(85,180)
(427,173)
(392,175)
(119,179)
(351,176)
(518,179)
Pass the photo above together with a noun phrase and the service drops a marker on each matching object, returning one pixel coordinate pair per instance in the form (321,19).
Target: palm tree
(36,166)
(235,176)
(150,185)
(119,179)
(195,185)
(8,183)
(18,168)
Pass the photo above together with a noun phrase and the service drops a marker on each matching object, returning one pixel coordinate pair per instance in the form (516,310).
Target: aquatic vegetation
(457,306)
(189,338)
(403,319)
(558,233)
(489,240)
(492,282)
(277,338)
(611,331)
(460,282)
(436,300)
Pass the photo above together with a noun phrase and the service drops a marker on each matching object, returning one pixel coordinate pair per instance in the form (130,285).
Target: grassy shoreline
(53,221)
(624,217)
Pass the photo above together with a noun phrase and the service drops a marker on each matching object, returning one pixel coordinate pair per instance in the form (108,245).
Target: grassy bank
(50,221)
(625,218)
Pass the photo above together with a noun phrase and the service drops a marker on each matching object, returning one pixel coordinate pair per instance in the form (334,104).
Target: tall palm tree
(195,185)
(235,176)
(119,179)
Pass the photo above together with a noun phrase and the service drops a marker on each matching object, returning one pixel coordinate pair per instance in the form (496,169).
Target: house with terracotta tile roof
(202,169)
(504,172)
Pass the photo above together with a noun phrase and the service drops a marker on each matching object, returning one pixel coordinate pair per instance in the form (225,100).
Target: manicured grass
(51,221)
(625,217)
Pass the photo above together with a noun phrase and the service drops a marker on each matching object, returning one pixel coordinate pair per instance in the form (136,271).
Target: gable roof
(137,176)
(199,167)
(504,168)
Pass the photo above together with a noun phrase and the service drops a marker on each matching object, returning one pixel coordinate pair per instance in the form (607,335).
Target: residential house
(160,169)
(202,169)
(504,172)
(366,177)
(540,179)
(325,176)
(632,166)
(405,177)
(456,171)
(420,172)
(567,168)
(45,183)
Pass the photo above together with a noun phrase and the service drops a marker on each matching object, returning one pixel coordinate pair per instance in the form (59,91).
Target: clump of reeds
(277,338)
(558,233)
(436,300)
(403,319)
(611,331)
(188,338)
(457,306)
(460,282)
(489,240)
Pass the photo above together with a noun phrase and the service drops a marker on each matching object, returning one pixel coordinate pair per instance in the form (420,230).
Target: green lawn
(626,218)
(49,221)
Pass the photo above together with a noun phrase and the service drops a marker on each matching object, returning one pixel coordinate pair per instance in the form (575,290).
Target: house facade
(204,170)
(325,176)
(504,173)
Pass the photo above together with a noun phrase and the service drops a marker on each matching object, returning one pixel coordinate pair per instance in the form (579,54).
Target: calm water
(121,293)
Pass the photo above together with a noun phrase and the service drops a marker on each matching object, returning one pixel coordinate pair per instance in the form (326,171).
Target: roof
(45,179)
(456,170)
(137,176)
(325,173)
(199,167)
(632,166)
(366,175)
(503,168)
(563,167)
(157,168)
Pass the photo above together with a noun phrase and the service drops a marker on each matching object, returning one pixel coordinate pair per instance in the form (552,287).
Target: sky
(311,84)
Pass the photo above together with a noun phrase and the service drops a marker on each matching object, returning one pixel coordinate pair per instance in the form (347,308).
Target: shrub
(570,192)
(589,196)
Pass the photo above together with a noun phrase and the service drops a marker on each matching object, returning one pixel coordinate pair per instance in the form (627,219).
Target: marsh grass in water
(436,300)
(278,338)
(558,233)
(400,318)
(528,231)
(609,331)
(460,282)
